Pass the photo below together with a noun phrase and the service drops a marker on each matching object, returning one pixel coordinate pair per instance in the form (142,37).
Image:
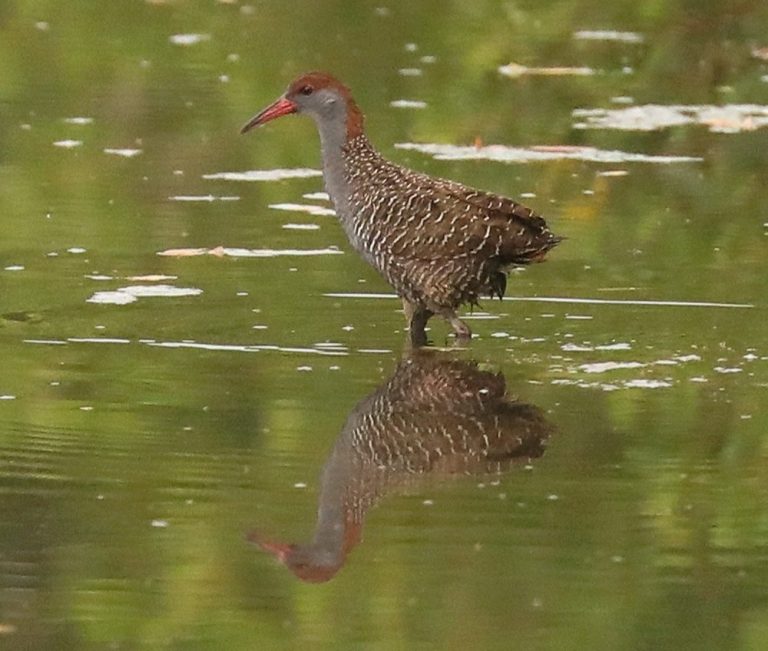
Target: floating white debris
(304,368)
(559,299)
(203,197)
(613,173)
(159,524)
(576,348)
(608,35)
(76,250)
(7,396)
(264,175)
(506,154)
(587,348)
(410,72)
(97,340)
(240,348)
(79,120)
(249,253)
(112,298)
(302,207)
(602,367)
(125,153)
(15,267)
(188,39)
(647,384)
(147,278)
(729,118)
(317,196)
(621,345)
(301,227)
(68,144)
(125,295)
(408,104)
(725,369)
(515,70)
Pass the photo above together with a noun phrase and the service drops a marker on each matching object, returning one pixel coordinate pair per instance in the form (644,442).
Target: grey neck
(333,137)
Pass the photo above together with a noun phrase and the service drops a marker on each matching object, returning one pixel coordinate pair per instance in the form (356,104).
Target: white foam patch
(642,383)
(602,367)
(132,293)
(303,207)
(515,70)
(301,227)
(264,175)
(608,35)
(68,144)
(250,253)
(203,197)
(507,154)
(125,153)
(188,39)
(408,104)
(730,118)
(317,196)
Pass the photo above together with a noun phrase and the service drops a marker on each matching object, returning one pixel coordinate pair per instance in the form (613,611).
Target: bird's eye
(306,90)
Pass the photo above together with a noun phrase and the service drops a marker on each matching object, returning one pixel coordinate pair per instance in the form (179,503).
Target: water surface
(188,340)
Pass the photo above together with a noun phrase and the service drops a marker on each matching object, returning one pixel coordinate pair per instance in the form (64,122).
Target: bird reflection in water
(436,416)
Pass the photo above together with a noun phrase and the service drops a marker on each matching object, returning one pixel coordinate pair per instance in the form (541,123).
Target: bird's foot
(460,329)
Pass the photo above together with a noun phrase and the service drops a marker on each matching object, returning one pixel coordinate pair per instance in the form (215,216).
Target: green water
(144,438)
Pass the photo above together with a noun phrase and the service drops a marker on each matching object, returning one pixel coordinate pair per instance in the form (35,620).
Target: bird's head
(319,95)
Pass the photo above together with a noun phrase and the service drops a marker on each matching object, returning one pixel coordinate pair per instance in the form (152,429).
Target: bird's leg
(460,329)
(417,317)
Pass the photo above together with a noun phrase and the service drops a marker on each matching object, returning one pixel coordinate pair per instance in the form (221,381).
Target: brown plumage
(440,244)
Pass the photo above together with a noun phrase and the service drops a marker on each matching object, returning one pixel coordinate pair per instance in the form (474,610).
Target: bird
(438,243)
(435,417)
